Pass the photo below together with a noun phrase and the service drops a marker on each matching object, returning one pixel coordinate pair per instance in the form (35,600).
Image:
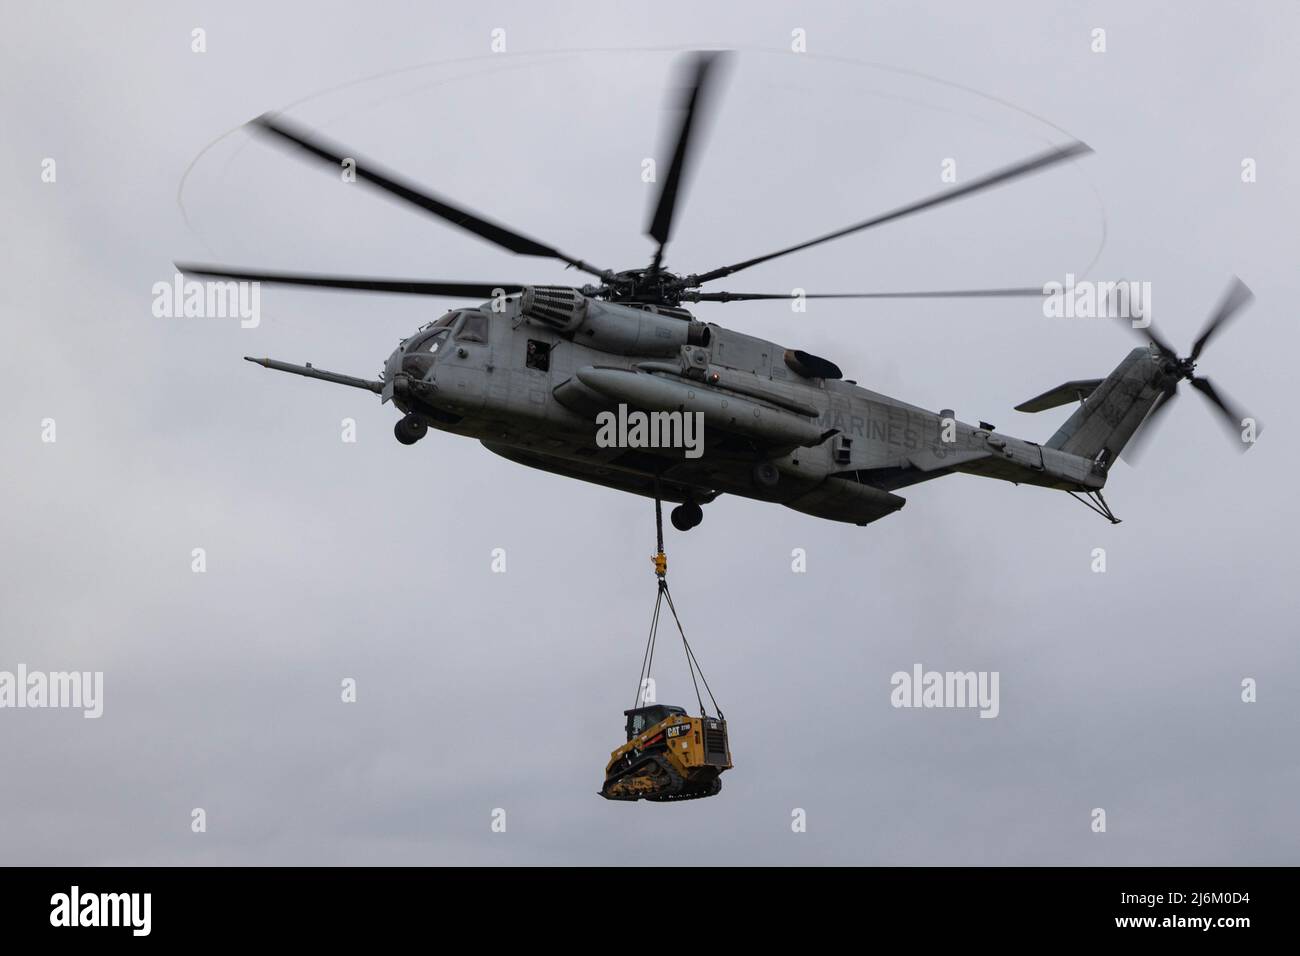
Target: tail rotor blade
(1234,299)
(1141,439)
(1229,413)
(1148,332)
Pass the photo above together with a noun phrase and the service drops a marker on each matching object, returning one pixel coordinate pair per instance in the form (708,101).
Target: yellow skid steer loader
(668,756)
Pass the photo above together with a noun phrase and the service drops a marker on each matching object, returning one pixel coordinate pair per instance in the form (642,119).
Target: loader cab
(641,719)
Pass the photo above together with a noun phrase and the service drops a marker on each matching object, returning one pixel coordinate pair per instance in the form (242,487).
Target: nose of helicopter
(407,365)
(392,365)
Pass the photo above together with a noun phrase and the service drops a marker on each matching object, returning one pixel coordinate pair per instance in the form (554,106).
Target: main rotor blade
(1229,413)
(1237,296)
(391,183)
(1008,293)
(1141,439)
(1042,161)
(695,102)
(468,290)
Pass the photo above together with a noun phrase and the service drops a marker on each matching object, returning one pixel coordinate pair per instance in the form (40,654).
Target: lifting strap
(660,561)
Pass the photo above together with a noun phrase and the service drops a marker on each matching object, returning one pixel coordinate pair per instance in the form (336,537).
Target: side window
(474,329)
(538,356)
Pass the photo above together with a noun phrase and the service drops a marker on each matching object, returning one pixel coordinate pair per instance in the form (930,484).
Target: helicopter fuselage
(530,376)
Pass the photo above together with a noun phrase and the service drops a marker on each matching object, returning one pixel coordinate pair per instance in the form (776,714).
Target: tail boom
(1108,417)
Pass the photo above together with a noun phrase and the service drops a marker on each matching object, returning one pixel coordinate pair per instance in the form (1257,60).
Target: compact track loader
(668,756)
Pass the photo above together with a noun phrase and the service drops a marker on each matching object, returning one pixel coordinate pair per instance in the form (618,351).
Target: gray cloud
(475,691)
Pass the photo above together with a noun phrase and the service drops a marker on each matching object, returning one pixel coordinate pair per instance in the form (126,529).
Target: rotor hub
(1179,368)
(650,286)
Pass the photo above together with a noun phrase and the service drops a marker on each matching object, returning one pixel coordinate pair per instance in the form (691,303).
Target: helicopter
(529,371)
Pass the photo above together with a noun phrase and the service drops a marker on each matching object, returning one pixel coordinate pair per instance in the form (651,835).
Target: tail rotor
(1235,298)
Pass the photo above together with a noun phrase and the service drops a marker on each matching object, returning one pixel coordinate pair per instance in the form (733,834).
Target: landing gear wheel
(766,475)
(686,516)
(410,429)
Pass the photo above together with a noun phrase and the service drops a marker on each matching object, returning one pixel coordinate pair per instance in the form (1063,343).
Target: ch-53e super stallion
(529,372)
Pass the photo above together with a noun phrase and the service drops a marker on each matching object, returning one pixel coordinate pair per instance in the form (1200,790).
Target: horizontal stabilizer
(1075,391)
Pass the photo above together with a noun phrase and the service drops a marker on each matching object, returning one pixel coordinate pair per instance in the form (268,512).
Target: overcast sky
(372,561)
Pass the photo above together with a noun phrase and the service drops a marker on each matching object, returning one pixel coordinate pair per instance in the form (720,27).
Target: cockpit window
(435,341)
(474,328)
(428,341)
